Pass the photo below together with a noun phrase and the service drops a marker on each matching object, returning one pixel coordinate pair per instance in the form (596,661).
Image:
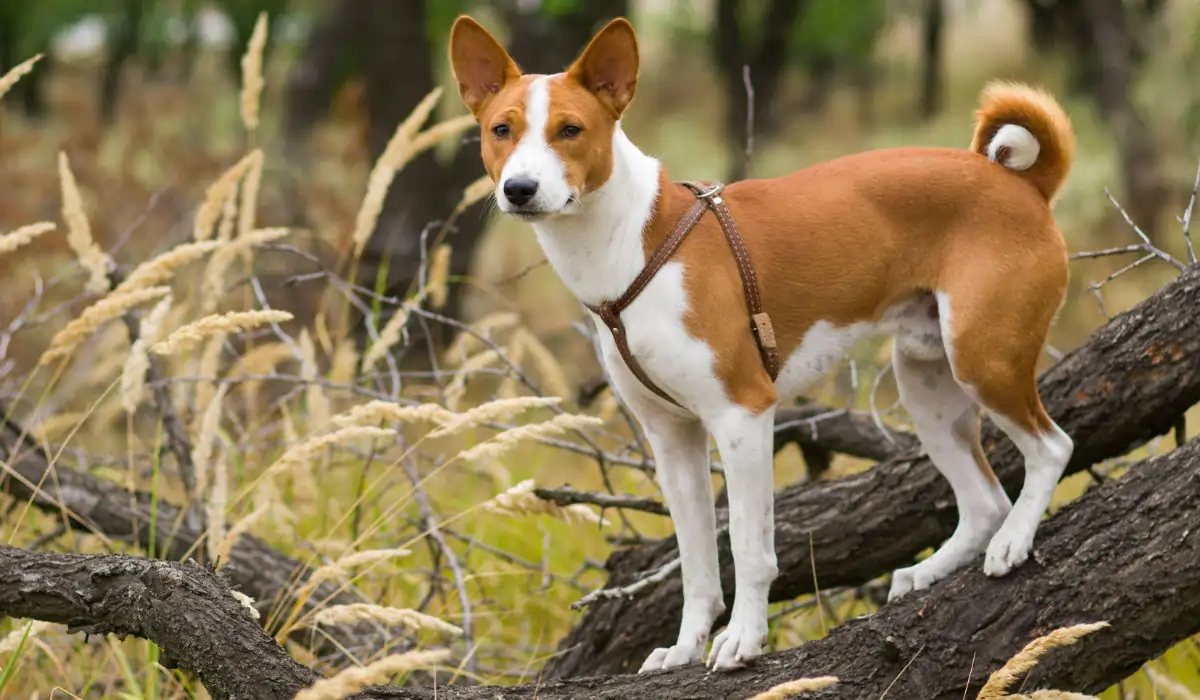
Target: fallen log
(1127,552)
(1131,381)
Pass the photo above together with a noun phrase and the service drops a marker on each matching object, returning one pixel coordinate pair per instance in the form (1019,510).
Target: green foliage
(839,30)
(36,23)
(7,672)
(440,16)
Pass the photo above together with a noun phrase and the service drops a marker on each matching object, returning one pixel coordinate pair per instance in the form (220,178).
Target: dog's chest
(654,329)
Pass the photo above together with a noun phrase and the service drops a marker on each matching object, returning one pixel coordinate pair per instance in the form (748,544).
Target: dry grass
(796,687)
(999,682)
(352,680)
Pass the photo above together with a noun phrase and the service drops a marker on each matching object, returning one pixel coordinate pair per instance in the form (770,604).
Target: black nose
(519,190)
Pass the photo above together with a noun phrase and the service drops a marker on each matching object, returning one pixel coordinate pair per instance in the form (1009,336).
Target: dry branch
(1096,560)
(1131,381)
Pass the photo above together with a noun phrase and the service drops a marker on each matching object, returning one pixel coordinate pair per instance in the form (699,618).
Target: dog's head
(546,140)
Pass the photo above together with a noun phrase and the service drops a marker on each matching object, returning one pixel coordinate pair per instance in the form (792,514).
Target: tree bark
(94,505)
(842,432)
(1127,552)
(1131,381)
(182,608)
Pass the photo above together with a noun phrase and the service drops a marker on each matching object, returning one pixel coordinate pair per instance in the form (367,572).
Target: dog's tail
(1026,130)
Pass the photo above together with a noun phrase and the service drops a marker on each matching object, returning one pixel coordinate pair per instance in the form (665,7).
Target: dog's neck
(599,250)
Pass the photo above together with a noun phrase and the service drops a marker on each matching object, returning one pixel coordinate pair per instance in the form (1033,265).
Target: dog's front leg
(681,454)
(744,440)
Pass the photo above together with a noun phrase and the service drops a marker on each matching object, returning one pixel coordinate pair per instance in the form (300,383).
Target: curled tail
(1025,129)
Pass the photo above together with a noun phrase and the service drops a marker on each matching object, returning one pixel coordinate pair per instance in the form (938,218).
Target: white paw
(1008,549)
(913,578)
(737,645)
(673,657)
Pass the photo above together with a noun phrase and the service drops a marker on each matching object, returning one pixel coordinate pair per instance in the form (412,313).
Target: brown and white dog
(953,251)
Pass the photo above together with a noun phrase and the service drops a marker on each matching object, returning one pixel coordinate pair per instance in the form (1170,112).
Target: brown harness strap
(708,196)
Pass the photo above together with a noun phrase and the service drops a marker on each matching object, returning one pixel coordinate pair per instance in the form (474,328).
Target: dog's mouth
(532,215)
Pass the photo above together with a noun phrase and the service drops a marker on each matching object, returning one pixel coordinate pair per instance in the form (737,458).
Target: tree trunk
(1126,553)
(932,42)
(767,61)
(1107,41)
(28,91)
(545,42)
(1128,383)
(387,43)
(123,45)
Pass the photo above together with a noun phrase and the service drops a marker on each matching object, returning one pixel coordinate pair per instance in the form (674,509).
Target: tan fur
(845,240)
(1012,103)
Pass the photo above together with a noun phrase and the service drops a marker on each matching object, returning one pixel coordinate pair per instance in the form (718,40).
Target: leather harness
(708,196)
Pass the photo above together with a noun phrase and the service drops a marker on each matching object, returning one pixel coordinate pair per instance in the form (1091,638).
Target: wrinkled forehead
(560,96)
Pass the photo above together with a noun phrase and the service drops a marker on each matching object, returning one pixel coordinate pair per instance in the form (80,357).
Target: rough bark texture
(182,608)
(94,505)
(1128,553)
(1130,382)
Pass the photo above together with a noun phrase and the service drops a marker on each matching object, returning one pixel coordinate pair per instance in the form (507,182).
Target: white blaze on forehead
(533,158)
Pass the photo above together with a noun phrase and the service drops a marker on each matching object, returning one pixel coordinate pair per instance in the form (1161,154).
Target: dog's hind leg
(680,449)
(946,420)
(995,332)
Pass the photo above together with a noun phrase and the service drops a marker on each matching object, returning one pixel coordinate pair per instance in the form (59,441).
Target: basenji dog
(954,252)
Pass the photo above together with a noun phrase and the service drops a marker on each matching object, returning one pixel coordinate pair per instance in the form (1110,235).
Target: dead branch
(1130,382)
(1095,559)
(846,432)
(565,496)
(183,608)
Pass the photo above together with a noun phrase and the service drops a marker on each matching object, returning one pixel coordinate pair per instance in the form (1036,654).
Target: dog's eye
(570,131)
(500,131)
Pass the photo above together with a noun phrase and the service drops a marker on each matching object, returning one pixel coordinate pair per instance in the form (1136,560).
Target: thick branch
(182,608)
(1128,553)
(1127,384)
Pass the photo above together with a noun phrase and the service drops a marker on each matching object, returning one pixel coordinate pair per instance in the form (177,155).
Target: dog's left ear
(608,67)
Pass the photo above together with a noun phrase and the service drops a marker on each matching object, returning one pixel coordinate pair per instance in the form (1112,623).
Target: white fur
(1046,457)
(595,246)
(534,159)
(1023,147)
(935,402)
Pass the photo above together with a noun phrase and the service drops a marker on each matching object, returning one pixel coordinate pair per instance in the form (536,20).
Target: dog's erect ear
(481,65)
(608,67)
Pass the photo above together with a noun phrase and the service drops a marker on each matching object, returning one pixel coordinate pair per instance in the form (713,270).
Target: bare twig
(565,496)
(627,591)
(1186,219)
(749,120)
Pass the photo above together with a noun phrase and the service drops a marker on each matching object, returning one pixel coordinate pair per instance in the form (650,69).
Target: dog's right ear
(481,65)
